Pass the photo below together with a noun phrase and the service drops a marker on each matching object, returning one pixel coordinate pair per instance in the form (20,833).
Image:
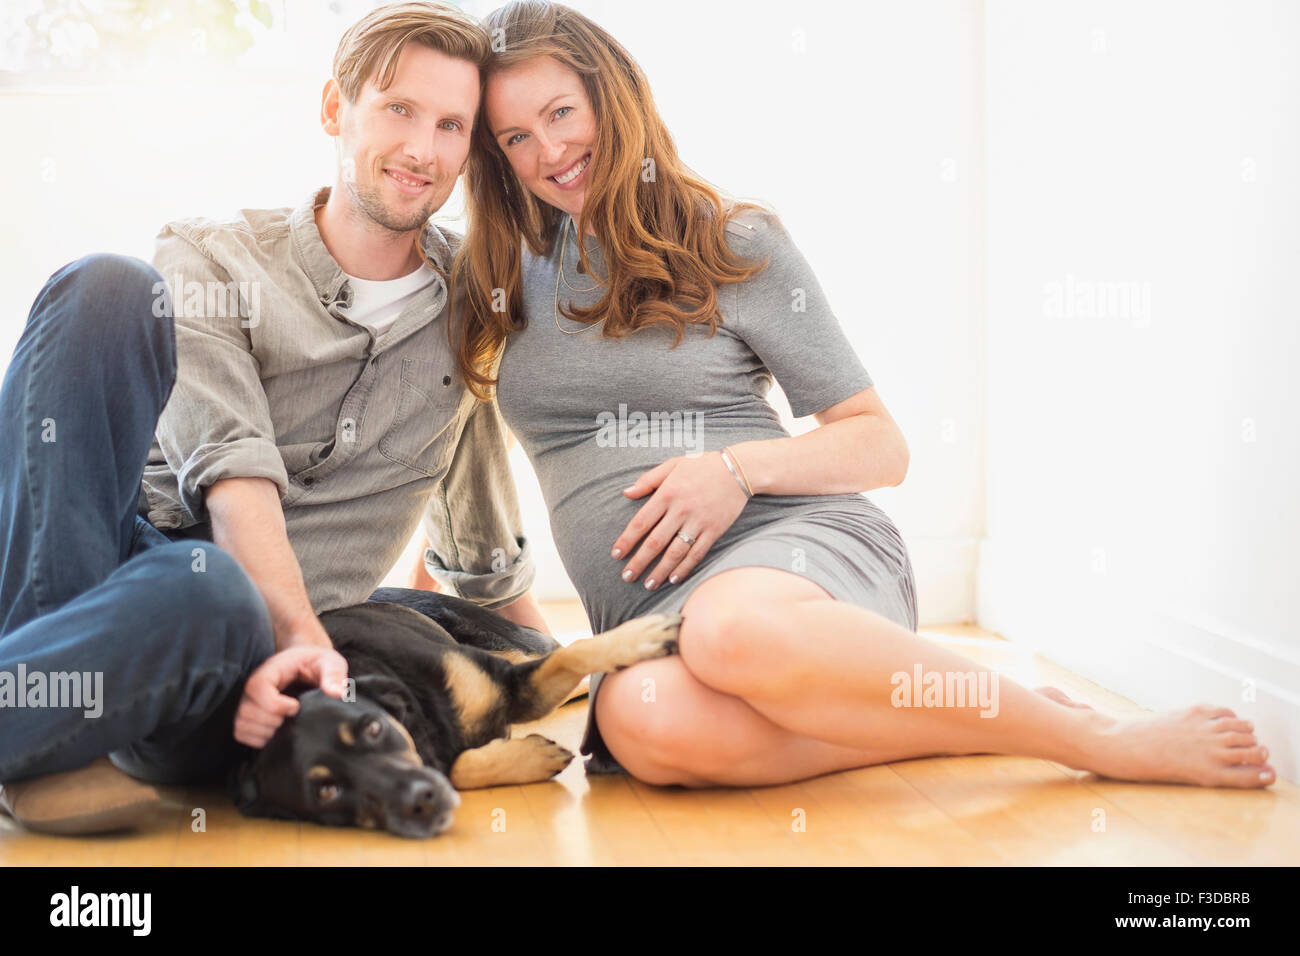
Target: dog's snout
(421,798)
(429,802)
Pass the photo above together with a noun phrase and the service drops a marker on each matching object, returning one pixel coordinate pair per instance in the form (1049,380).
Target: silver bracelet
(726,460)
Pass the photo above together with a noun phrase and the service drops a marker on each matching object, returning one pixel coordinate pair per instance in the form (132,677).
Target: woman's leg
(665,727)
(824,671)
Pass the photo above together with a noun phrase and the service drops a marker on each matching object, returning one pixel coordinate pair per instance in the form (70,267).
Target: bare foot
(1202,745)
(1061,697)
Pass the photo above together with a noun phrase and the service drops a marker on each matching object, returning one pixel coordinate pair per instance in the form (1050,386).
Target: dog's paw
(641,639)
(542,757)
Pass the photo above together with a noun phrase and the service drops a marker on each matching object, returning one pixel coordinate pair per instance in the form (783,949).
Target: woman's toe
(1212,712)
(1234,723)
(1244,755)
(1249,776)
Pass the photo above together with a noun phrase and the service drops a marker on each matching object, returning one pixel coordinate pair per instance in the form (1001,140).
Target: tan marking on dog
(509,761)
(319,772)
(642,638)
(515,656)
(473,692)
(346,735)
(411,752)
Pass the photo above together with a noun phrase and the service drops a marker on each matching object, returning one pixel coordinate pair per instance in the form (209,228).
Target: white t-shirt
(378,302)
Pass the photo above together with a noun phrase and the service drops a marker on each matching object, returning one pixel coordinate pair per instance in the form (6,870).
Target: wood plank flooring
(984,810)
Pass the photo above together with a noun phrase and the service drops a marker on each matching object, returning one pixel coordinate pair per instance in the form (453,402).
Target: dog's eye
(327,791)
(374,729)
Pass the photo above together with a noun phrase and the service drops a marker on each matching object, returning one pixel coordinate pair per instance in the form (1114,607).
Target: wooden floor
(952,810)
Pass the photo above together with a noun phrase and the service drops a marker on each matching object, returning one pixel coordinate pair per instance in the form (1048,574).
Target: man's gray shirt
(365,436)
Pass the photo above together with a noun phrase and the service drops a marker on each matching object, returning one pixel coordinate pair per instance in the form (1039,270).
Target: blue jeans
(172,626)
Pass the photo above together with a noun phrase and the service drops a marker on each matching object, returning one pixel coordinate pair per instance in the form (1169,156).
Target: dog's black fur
(438,683)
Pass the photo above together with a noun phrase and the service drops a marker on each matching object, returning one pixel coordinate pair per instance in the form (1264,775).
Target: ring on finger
(689,539)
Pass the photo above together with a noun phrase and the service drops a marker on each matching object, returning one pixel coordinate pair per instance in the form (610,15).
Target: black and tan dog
(436,692)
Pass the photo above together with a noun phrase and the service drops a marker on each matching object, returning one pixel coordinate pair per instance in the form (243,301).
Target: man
(286,380)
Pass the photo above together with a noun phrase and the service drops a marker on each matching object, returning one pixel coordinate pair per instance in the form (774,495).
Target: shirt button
(308,481)
(446,380)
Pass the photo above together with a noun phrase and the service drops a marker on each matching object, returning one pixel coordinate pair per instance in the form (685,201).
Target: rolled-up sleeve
(217,421)
(477,548)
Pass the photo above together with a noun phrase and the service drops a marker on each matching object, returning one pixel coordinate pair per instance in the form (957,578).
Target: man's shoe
(96,798)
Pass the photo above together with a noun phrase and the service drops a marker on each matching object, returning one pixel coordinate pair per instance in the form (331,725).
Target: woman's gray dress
(594,413)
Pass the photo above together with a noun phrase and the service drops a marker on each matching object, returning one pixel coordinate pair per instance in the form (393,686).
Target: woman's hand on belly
(693,495)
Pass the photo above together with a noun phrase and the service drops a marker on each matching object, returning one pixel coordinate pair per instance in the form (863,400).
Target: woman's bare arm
(858,447)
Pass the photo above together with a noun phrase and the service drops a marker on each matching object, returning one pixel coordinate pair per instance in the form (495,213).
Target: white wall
(1142,470)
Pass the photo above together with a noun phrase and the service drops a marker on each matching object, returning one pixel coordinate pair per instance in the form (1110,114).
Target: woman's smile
(572,175)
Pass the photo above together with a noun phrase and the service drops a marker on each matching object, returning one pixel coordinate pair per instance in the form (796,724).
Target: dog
(438,683)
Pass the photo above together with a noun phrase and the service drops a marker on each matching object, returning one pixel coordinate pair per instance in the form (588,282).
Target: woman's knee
(663,726)
(733,631)
(638,712)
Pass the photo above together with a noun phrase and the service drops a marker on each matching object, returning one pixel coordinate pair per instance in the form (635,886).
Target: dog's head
(348,763)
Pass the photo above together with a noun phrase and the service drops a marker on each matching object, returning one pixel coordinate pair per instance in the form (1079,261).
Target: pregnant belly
(587,521)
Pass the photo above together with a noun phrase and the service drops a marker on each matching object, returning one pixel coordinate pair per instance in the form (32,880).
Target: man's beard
(371,203)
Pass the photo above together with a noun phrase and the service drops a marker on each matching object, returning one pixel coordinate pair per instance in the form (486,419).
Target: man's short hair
(371,46)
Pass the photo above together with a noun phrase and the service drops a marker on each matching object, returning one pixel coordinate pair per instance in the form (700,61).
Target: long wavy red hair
(663,241)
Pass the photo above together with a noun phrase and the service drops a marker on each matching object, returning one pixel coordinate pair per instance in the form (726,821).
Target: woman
(632,365)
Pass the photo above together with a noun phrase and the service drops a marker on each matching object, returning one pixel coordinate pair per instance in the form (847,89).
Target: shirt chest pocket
(423,433)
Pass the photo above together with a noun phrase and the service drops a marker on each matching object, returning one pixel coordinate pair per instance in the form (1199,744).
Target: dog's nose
(421,798)
(425,800)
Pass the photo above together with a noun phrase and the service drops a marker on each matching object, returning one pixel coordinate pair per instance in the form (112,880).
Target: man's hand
(263,708)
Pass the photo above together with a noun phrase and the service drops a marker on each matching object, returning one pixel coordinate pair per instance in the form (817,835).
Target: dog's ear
(390,694)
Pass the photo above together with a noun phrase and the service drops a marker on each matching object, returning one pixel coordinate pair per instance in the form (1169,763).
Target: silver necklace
(564,244)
